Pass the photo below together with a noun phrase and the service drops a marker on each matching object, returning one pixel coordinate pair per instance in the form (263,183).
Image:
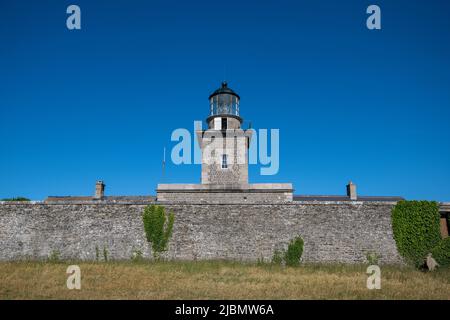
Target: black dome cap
(224,90)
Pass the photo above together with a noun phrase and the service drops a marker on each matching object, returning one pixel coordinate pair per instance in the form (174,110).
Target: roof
(106,198)
(68,198)
(224,90)
(345,198)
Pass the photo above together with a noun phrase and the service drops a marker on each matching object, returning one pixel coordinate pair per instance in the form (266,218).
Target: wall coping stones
(444,206)
(254,187)
(101,202)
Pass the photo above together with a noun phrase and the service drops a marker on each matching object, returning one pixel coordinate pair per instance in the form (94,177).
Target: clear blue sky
(101,103)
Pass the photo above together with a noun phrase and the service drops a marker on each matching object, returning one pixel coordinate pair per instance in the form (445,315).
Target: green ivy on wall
(416,228)
(442,252)
(158,228)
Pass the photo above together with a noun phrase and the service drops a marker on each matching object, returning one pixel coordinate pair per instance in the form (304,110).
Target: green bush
(158,228)
(54,257)
(372,258)
(294,252)
(416,229)
(105,254)
(97,254)
(16,199)
(137,256)
(277,257)
(441,252)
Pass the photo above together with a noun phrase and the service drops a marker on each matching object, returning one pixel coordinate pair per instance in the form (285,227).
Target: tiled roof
(344,198)
(106,198)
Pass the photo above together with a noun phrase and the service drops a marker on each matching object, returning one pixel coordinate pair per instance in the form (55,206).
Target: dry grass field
(216,280)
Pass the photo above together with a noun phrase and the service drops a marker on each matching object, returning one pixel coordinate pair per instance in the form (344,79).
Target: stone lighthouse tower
(225,147)
(224,144)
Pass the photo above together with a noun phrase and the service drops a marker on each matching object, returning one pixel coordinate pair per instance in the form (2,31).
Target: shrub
(372,258)
(97,253)
(158,228)
(105,253)
(416,229)
(294,252)
(16,199)
(277,257)
(137,256)
(54,257)
(441,252)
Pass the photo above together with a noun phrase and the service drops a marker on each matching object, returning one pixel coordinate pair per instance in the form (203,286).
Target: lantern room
(224,102)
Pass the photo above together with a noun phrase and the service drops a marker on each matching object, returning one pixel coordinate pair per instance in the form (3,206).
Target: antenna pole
(225,72)
(164,163)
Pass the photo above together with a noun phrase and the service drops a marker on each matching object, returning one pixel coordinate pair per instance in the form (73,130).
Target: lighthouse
(224,148)
(224,144)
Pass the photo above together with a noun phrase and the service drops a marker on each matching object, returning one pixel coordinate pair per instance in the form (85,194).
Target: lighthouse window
(224,161)
(224,123)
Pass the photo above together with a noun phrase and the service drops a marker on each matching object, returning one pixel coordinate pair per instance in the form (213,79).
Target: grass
(216,280)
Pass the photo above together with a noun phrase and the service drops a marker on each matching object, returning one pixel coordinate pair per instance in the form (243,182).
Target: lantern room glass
(224,103)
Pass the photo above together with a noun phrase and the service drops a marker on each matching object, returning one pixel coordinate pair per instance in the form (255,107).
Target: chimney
(99,190)
(351,191)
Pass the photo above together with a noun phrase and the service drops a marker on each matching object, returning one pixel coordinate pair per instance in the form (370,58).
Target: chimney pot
(99,190)
(351,191)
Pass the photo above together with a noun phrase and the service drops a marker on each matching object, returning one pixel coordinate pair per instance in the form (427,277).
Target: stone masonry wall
(229,197)
(233,143)
(333,231)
